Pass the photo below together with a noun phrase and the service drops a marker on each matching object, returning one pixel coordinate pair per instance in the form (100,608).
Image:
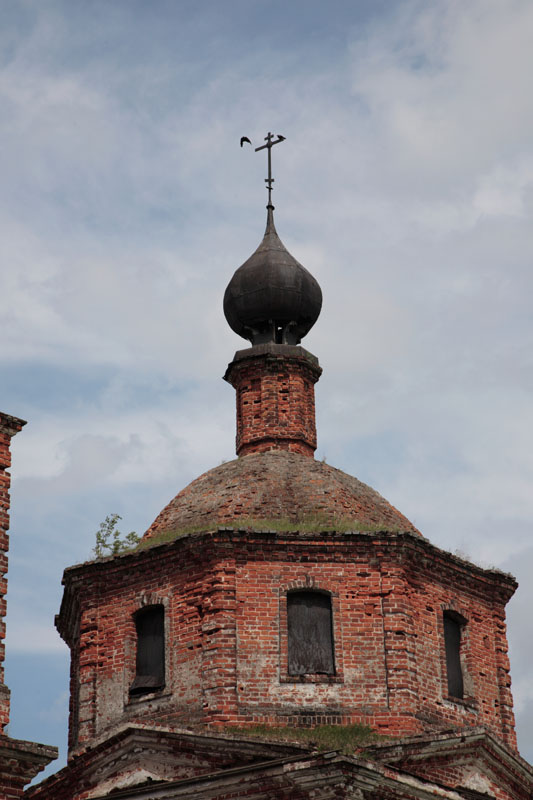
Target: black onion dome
(272,297)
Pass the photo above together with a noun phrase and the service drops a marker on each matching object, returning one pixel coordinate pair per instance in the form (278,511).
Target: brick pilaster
(275,398)
(9,426)
(219,640)
(504,674)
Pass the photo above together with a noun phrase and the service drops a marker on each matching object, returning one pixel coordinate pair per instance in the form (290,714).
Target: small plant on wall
(110,541)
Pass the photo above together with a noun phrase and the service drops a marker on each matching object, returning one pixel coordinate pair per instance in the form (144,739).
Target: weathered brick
(225,602)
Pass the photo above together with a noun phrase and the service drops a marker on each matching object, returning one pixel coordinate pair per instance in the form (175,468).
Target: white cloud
(449,87)
(26,635)
(506,191)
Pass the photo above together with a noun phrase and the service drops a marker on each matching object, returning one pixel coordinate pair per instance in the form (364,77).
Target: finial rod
(270,142)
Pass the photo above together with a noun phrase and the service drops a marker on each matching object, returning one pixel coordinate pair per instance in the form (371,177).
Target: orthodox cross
(270,142)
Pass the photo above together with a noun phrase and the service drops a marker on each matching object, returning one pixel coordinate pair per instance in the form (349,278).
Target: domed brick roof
(277,485)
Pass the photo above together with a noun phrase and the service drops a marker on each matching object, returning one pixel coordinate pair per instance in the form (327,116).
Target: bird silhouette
(245,139)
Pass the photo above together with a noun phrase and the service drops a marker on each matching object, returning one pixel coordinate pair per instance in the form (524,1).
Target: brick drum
(224,595)
(275,391)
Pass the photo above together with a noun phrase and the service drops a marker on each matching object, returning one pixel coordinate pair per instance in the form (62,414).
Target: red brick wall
(389,640)
(21,761)
(225,597)
(9,426)
(275,399)
(460,769)
(13,775)
(106,641)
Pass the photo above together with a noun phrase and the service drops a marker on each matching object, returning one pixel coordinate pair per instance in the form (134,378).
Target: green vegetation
(110,541)
(313,523)
(168,536)
(346,738)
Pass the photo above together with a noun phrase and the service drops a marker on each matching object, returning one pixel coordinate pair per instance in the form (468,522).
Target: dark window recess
(310,638)
(452,642)
(150,664)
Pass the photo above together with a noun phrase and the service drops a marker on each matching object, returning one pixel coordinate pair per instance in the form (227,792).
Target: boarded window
(310,637)
(453,625)
(150,662)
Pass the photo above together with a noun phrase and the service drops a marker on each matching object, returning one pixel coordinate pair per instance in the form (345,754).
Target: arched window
(310,634)
(453,632)
(150,661)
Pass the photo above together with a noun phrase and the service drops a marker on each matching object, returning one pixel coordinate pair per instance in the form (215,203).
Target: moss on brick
(278,488)
(316,523)
(345,738)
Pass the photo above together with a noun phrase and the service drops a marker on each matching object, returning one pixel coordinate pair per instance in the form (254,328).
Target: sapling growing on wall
(110,541)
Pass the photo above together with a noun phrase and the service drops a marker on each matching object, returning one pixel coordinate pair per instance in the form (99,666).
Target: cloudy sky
(406,187)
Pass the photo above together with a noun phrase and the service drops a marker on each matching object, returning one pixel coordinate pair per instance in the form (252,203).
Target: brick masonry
(473,758)
(21,761)
(277,485)
(224,595)
(275,398)
(145,764)
(9,426)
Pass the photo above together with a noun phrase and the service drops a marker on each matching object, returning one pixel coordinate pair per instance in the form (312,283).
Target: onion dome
(272,297)
(276,488)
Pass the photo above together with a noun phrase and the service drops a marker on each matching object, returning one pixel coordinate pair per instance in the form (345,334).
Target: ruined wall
(20,761)
(9,426)
(226,634)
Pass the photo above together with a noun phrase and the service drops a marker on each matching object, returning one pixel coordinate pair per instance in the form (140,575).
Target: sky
(405,185)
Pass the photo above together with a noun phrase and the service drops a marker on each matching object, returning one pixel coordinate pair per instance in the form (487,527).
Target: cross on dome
(272,297)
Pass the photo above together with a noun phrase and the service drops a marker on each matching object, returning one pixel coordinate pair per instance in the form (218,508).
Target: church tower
(276,590)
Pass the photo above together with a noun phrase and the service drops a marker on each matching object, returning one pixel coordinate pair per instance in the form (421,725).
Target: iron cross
(270,142)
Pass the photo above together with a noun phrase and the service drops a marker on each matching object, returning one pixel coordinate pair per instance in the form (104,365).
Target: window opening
(150,661)
(453,625)
(310,633)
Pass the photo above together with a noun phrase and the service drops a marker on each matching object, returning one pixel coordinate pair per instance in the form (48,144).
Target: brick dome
(277,485)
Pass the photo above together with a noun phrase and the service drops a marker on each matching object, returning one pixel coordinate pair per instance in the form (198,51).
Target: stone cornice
(30,758)
(480,740)
(10,425)
(237,536)
(273,763)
